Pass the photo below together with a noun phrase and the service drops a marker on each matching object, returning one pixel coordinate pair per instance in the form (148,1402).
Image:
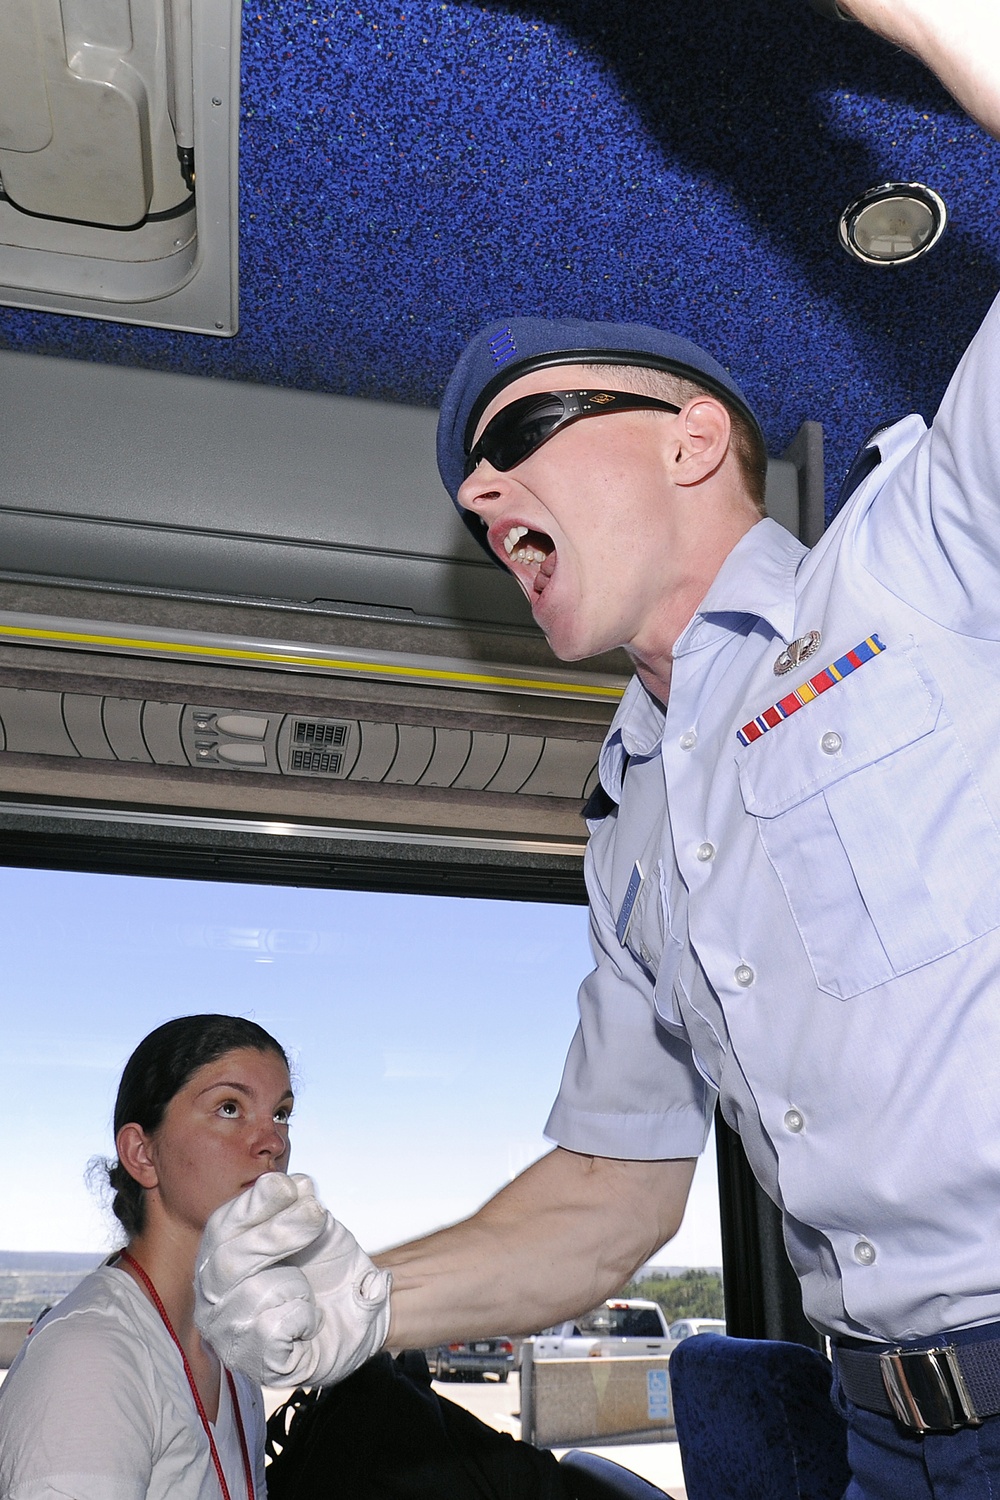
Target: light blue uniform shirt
(816,938)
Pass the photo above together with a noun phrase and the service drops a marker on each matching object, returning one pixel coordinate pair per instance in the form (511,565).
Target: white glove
(283,1292)
(253,1310)
(352,1299)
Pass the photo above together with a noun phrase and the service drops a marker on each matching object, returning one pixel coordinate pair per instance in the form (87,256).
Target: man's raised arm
(959,40)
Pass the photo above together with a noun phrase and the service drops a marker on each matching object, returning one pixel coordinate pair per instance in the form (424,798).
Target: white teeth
(522,554)
(512,538)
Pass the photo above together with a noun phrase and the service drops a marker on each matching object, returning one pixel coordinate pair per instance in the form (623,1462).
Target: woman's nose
(272,1142)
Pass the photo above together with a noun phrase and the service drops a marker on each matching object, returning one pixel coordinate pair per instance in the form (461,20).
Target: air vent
(318,732)
(317,747)
(317,762)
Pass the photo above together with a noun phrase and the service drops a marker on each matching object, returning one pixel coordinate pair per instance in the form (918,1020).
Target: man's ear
(133,1147)
(704,428)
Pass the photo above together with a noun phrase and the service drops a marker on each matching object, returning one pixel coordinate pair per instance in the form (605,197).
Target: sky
(426,1034)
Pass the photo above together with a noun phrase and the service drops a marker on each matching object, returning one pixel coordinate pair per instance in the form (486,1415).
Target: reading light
(893,224)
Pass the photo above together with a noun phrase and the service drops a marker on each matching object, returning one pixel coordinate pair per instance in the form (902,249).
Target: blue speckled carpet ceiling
(410,170)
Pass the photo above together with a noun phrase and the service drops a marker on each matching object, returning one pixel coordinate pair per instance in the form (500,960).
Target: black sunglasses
(530,421)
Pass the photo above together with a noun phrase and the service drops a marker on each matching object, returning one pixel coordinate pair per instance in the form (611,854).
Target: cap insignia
(502,347)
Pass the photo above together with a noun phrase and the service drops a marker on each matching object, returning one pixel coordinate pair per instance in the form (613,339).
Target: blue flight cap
(503,351)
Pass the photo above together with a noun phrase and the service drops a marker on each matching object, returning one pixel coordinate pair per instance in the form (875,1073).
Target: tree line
(694,1293)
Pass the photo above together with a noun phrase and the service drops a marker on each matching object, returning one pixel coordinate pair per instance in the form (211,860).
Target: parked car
(685,1327)
(472,1359)
(620,1326)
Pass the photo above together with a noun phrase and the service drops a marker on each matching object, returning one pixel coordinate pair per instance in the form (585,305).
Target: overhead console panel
(79,123)
(107,727)
(118,159)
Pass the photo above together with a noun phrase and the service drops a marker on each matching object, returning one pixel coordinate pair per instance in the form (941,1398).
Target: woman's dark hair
(157,1070)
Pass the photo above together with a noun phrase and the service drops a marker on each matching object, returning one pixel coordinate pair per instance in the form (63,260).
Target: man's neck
(656,683)
(653,655)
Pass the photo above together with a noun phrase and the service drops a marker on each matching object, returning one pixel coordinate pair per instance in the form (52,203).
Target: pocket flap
(881,707)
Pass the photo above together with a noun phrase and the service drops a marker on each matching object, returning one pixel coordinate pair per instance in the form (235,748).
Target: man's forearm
(557,1240)
(959,40)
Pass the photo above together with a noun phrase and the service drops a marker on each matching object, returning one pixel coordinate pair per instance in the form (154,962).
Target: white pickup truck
(621,1326)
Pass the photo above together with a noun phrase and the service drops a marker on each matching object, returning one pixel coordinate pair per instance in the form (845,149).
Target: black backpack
(385,1434)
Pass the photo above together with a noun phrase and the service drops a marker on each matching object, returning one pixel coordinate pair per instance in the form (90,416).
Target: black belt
(926,1390)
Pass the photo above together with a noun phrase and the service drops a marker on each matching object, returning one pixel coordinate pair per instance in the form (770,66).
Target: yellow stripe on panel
(306,659)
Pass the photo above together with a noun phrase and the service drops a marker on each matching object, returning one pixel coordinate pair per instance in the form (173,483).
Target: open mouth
(523,545)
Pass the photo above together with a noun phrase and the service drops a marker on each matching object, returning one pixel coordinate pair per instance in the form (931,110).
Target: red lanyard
(247,1468)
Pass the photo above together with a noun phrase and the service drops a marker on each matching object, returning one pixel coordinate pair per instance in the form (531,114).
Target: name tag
(628,905)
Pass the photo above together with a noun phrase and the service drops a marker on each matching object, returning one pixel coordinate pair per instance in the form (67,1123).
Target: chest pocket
(872,820)
(646,932)
(641,835)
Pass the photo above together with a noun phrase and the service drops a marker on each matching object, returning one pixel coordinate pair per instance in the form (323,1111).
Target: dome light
(893,224)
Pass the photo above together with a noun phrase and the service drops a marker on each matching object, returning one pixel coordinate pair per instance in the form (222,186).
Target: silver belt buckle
(927,1390)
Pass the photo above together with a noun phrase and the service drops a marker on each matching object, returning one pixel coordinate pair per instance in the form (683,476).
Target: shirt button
(864,1253)
(794,1121)
(744,975)
(688,740)
(705,851)
(831,743)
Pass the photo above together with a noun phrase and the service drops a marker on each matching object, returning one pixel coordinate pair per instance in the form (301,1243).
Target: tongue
(544,573)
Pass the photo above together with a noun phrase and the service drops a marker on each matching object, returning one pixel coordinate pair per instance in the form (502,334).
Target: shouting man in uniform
(794,878)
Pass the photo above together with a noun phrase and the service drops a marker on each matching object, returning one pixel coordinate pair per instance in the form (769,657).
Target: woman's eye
(282,1115)
(229,1108)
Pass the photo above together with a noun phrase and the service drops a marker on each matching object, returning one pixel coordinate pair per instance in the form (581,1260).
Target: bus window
(426,1033)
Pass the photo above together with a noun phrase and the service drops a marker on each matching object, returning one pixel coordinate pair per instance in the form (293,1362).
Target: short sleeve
(76,1418)
(629,1088)
(930,525)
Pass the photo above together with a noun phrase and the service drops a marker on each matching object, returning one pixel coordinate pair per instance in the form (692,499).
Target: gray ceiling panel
(523,755)
(33,721)
(379,743)
(161,730)
(564,763)
(274,494)
(416,746)
(451,751)
(123,727)
(85,723)
(485,760)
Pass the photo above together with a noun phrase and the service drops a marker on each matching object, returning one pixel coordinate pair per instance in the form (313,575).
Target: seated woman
(115,1396)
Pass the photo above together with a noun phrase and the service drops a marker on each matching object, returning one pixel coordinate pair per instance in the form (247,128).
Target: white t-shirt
(97,1407)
